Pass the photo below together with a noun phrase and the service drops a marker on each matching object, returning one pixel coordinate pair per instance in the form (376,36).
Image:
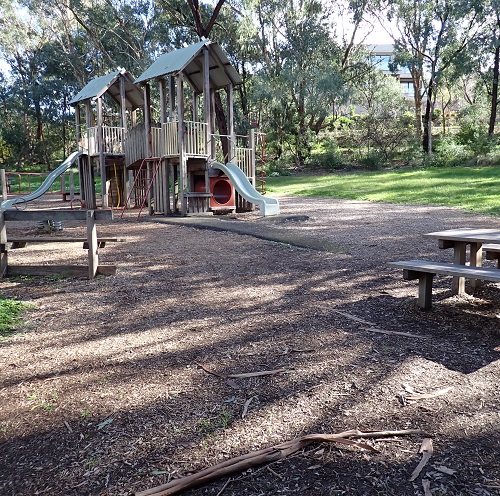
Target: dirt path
(101,392)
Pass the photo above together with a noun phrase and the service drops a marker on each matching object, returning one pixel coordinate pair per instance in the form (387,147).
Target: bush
(330,159)
(448,153)
(475,138)
(372,161)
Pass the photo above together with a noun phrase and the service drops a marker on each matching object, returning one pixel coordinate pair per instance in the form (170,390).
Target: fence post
(4,184)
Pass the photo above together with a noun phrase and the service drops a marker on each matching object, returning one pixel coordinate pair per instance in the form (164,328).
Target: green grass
(474,189)
(10,315)
(27,183)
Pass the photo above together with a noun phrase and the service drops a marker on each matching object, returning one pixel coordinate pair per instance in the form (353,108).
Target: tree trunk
(494,91)
(427,137)
(417,98)
(222,125)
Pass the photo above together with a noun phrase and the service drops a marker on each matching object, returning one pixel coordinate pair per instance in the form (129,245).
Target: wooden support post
(149,142)
(3,245)
(476,260)
(93,256)
(123,119)
(183,179)
(171,97)
(458,284)
(78,128)
(3,178)
(196,103)
(213,153)
(425,290)
(163,199)
(102,163)
(147,119)
(230,124)
(209,149)
(251,144)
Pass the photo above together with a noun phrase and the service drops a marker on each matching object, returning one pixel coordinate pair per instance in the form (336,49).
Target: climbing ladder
(143,183)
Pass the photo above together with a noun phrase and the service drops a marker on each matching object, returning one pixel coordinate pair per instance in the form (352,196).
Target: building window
(381,62)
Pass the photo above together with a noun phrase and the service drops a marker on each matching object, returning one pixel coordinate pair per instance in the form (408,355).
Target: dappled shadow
(111,399)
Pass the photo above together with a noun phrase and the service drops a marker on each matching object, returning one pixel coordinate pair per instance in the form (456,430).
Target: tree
(301,71)
(431,36)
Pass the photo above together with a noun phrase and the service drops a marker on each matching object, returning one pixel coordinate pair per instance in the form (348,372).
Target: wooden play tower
(160,159)
(109,104)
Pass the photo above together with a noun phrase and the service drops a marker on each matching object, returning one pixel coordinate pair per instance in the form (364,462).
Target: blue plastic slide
(44,187)
(267,206)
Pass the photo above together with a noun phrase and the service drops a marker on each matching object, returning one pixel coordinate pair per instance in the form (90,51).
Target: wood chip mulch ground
(123,383)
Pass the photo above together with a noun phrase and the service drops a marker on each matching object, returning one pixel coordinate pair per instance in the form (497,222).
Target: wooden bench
(23,242)
(198,202)
(425,271)
(492,252)
(91,242)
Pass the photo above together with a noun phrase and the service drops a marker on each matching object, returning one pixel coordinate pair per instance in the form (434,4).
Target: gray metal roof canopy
(110,84)
(189,60)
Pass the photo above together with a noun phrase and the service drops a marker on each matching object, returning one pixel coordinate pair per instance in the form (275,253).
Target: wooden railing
(244,160)
(156,142)
(112,140)
(194,139)
(134,145)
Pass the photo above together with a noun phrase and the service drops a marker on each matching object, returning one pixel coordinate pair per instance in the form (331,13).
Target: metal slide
(44,187)
(267,206)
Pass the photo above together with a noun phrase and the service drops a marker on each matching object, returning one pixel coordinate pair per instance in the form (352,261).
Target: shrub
(447,153)
(475,138)
(330,159)
(372,160)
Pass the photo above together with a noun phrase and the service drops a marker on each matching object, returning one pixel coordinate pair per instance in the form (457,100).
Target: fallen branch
(395,333)
(371,327)
(427,450)
(267,455)
(243,375)
(423,396)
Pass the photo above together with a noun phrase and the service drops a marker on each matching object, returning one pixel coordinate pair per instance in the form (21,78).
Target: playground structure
(159,156)
(170,164)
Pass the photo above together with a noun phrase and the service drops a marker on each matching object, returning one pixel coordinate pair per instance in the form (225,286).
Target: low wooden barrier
(91,242)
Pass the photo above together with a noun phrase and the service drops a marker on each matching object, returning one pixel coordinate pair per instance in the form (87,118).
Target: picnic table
(458,239)
(478,240)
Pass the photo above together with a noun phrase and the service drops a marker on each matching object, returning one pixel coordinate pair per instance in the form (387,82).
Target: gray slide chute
(267,206)
(44,187)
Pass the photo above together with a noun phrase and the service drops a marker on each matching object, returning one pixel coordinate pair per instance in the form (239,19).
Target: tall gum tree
(431,35)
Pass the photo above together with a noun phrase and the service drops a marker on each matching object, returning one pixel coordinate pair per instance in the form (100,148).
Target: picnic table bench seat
(23,242)
(425,270)
(492,252)
(91,242)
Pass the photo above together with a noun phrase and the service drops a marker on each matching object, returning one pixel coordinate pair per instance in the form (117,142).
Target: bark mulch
(123,383)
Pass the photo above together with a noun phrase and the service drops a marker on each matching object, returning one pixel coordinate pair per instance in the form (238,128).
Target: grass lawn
(474,189)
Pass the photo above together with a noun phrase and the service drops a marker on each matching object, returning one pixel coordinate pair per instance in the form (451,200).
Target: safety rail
(243,156)
(112,140)
(194,139)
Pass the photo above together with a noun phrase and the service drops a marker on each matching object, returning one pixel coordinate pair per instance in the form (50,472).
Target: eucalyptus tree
(21,44)
(489,49)
(101,35)
(300,73)
(431,35)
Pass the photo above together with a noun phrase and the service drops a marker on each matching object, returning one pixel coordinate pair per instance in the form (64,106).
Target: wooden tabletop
(468,235)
